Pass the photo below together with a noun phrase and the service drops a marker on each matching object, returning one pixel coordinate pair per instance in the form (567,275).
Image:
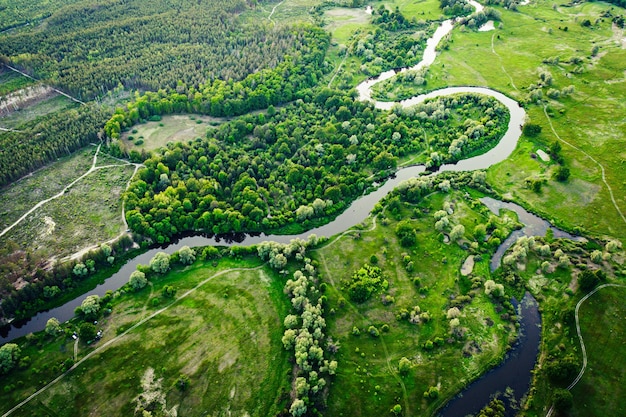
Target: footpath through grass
(225,337)
(442,358)
(542,39)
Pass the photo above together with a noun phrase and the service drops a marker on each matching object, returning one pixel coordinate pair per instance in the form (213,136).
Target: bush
(562,399)
(137,280)
(373,331)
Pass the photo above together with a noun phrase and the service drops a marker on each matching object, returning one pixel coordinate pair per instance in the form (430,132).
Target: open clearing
(601,320)
(175,128)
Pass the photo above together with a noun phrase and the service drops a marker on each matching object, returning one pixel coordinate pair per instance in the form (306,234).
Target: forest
(89,49)
(306,161)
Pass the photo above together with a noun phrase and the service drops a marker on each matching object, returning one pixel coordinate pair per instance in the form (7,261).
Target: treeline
(303,163)
(89,49)
(229,98)
(45,285)
(45,139)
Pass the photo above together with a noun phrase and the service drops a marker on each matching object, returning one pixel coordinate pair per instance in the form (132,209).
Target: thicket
(89,49)
(46,139)
(44,286)
(303,163)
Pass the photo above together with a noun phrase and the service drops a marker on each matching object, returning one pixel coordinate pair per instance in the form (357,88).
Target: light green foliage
(186,255)
(137,280)
(493,289)
(80,270)
(90,307)
(53,327)
(457,232)
(366,281)
(160,263)
(404,365)
(9,357)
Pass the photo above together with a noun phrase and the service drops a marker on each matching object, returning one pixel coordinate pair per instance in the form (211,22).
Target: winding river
(356,213)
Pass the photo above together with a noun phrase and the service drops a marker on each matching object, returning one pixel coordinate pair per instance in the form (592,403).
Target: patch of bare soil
(23,98)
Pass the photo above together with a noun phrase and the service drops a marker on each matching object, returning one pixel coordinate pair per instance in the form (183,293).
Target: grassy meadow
(510,59)
(369,381)
(176,128)
(225,337)
(90,212)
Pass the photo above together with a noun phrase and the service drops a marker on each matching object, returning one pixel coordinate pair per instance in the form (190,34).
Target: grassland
(368,381)
(87,214)
(41,108)
(90,213)
(601,320)
(510,59)
(176,128)
(225,336)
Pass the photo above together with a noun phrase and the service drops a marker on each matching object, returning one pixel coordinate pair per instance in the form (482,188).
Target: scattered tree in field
(396,410)
(561,173)
(562,399)
(432,393)
(562,370)
(53,327)
(298,408)
(531,130)
(9,357)
(137,280)
(90,307)
(404,366)
(186,255)
(87,332)
(480,232)
(169,291)
(406,233)
(373,331)
(365,282)
(453,312)
(160,263)
(457,232)
(596,256)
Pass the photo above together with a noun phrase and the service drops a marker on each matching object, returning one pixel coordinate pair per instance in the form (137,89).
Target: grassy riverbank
(228,330)
(511,59)
(371,380)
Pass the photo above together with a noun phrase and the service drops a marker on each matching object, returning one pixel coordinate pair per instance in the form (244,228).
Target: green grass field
(176,128)
(369,382)
(20,196)
(601,320)
(39,109)
(225,336)
(87,214)
(509,59)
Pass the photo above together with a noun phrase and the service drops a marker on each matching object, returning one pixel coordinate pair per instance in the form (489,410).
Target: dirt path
(272,13)
(55,89)
(493,50)
(545,111)
(76,350)
(580,338)
(115,339)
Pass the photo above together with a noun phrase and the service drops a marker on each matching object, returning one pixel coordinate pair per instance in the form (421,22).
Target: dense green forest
(89,49)
(47,138)
(309,160)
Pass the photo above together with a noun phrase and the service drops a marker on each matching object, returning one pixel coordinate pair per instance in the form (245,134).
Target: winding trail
(94,167)
(130,329)
(493,50)
(545,111)
(580,338)
(272,13)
